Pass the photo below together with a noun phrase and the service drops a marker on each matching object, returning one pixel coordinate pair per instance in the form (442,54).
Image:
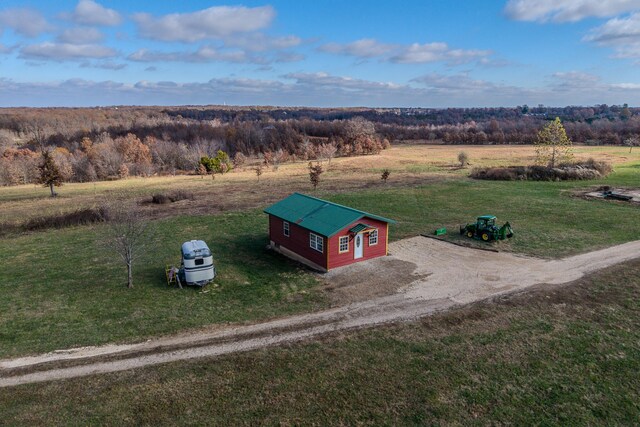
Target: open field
(410,165)
(61,289)
(556,355)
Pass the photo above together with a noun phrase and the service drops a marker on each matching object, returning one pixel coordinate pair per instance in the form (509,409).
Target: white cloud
(363,48)
(323,90)
(435,52)
(567,10)
(80,36)
(458,83)
(617,30)
(203,54)
(415,53)
(289,57)
(260,42)
(626,86)
(621,34)
(326,80)
(105,65)
(65,51)
(213,54)
(26,22)
(212,23)
(575,80)
(88,12)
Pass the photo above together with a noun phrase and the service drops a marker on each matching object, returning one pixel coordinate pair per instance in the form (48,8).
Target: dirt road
(443,276)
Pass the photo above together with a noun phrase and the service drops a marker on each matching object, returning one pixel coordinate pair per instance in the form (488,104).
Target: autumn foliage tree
(553,145)
(50,175)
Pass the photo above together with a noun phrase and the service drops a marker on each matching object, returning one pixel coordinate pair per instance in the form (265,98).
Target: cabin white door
(358,246)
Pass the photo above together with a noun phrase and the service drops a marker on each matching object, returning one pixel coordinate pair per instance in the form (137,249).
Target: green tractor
(485,228)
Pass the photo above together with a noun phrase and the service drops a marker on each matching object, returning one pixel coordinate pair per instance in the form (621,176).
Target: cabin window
(285,228)
(316,242)
(344,244)
(373,237)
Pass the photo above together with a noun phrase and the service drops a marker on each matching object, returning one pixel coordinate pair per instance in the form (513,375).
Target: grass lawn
(555,356)
(548,219)
(60,289)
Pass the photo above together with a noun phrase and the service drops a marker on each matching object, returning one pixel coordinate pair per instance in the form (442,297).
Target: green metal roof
(320,216)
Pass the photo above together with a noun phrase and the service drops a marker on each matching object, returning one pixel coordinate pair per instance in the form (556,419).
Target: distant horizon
(328,54)
(284,107)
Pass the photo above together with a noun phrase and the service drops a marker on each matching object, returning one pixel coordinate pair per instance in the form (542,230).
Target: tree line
(90,144)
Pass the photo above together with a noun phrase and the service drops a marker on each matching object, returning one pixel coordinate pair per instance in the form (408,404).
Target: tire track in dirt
(445,276)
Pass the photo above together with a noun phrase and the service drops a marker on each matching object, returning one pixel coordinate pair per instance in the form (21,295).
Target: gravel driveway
(421,277)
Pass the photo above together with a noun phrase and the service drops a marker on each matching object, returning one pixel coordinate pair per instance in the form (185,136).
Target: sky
(321,53)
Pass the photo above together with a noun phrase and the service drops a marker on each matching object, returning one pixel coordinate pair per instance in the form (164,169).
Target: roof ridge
(334,204)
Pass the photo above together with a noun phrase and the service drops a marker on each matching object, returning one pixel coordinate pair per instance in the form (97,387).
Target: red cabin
(325,235)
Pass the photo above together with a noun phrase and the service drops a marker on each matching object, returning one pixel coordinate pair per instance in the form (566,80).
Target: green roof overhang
(360,227)
(317,215)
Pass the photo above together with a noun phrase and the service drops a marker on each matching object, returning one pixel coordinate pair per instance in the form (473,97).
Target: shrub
(463,158)
(590,169)
(78,217)
(162,199)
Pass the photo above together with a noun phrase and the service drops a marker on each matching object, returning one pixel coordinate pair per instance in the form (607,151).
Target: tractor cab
(485,229)
(485,221)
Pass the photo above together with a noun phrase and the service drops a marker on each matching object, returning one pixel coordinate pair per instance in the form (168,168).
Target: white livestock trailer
(197,263)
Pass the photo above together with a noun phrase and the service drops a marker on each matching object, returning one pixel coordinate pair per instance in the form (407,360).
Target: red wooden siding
(298,241)
(336,259)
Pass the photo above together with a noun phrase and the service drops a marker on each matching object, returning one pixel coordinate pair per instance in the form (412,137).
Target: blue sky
(322,53)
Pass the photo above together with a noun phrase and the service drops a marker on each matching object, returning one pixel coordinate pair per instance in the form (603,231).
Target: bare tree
(314,174)
(463,158)
(128,234)
(258,170)
(632,141)
(38,131)
(239,160)
(202,170)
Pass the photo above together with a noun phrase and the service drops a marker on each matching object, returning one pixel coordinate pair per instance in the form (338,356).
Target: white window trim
(316,242)
(286,229)
(377,237)
(340,251)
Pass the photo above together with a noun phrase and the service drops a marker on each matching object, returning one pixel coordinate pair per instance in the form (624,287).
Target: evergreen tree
(50,175)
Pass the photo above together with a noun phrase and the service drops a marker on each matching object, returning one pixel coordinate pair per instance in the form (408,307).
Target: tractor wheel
(486,237)
(470,234)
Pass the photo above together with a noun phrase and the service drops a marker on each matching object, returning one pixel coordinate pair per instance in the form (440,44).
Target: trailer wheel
(470,234)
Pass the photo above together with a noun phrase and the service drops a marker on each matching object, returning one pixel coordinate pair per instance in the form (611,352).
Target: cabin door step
(358,246)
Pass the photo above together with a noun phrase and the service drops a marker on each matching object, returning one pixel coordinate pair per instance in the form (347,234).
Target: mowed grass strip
(554,356)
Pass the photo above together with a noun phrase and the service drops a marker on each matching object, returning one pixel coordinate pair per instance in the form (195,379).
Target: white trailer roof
(195,248)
